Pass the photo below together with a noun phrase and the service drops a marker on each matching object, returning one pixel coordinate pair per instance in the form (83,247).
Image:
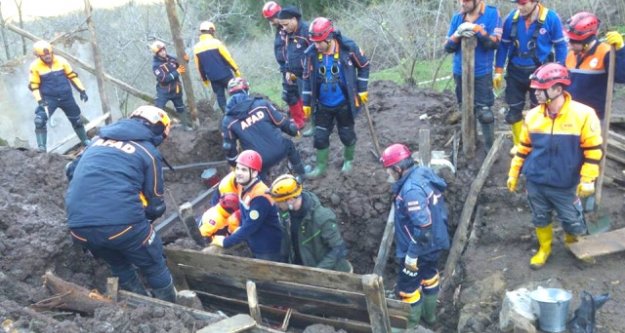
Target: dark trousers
(162,98)
(123,246)
(65,103)
(544,200)
(517,87)
(219,88)
(482,92)
(427,271)
(324,125)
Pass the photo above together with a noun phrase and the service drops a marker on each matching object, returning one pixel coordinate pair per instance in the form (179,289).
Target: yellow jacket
(54,79)
(213,60)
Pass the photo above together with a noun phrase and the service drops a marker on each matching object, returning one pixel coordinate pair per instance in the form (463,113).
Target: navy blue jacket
(354,66)
(295,45)
(167,76)
(257,125)
(110,175)
(420,213)
(279,51)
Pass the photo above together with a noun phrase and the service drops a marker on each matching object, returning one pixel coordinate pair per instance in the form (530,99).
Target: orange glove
(181,69)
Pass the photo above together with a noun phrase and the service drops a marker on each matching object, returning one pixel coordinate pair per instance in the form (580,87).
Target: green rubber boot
(322,164)
(82,135)
(187,125)
(348,158)
(309,128)
(42,137)
(415,315)
(429,308)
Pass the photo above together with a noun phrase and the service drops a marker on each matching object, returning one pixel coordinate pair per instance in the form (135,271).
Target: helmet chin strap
(548,98)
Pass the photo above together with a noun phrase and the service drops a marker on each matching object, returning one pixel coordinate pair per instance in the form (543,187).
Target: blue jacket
(550,36)
(109,177)
(260,225)
(278,48)
(420,213)
(295,44)
(354,66)
(258,126)
(488,40)
(167,76)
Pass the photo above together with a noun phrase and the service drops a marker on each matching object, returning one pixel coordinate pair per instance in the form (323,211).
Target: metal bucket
(210,177)
(552,306)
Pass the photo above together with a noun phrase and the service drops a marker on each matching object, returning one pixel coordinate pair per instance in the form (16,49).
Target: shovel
(598,219)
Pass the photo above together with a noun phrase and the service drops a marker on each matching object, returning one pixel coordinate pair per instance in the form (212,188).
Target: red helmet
(237,84)
(271,9)
(229,201)
(582,26)
(320,29)
(250,159)
(394,154)
(549,74)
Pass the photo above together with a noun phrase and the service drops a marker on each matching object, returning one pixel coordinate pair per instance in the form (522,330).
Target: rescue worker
(167,71)
(556,178)
(420,231)
(588,60)
(270,12)
(335,87)
(482,21)
(260,226)
(114,195)
(224,216)
(532,36)
(295,44)
(312,236)
(214,63)
(49,82)
(257,125)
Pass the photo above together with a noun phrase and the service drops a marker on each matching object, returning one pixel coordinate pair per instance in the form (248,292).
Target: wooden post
(425,148)
(385,244)
(112,288)
(374,134)
(605,126)
(97,59)
(376,303)
(468,78)
(252,301)
(188,219)
(174,25)
(462,231)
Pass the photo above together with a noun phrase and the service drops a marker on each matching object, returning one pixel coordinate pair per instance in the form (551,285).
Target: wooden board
(235,324)
(72,140)
(599,244)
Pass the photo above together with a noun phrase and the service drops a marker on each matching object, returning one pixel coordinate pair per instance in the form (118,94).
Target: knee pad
(40,121)
(347,135)
(180,109)
(513,115)
(484,114)
(322,138)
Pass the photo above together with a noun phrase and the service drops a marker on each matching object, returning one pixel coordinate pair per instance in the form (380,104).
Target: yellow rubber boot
(545,237)
(569,239)
(516,135)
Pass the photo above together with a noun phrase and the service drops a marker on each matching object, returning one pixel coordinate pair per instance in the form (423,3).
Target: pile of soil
(34,237)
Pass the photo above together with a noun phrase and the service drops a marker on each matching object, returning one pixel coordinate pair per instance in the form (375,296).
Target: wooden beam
(425,148)
(235,324)
(468,84)
(605,125)
(112,288)
(464,226)
(135,300)
(376,303)
(91,125)
(385,244)
(197,203)
(252,301)
(188,219)
(242,269)
(599,244)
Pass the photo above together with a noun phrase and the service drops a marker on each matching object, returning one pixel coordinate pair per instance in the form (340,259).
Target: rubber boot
(516,135)
(545,237)
(569,239)
(167,294)
(415,315)
(82,135)
(348,158)
(488,132)
(42,137)
(429,308)
(322,164)
(186,121)
(309,129)
(134,285)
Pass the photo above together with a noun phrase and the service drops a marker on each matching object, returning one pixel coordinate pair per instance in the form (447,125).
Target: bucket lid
(209,173)
(551,295)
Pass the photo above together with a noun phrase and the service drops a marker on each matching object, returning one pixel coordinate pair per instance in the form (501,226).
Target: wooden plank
(468,83)
(605,126)
(197,203)
(135,300)
(92,124)
(376,303)
(252,301)
(188,218)
(235,324)
(425,148)
(385,244)
(617,119)
(464,225)
(616,136)
(599,244)
(242,269)
(112,288)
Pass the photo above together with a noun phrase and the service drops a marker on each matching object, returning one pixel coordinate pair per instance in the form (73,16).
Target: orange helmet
(581,27)
(394,154)
(271,9)
(320,29)
(549,74)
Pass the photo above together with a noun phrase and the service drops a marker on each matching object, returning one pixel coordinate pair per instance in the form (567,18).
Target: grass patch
(424,71)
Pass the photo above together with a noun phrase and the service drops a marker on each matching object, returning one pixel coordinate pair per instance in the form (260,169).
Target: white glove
(465,30)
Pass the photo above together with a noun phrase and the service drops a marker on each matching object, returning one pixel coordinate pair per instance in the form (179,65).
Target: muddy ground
(34,238)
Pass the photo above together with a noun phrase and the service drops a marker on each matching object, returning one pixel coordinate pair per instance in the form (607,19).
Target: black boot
(134,286)
(167,293)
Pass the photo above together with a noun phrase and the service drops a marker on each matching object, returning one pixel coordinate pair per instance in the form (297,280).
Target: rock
(189,299)
(516,311)
(335,199)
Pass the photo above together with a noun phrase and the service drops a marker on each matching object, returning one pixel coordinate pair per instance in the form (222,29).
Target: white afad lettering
(252,119)
(126,147)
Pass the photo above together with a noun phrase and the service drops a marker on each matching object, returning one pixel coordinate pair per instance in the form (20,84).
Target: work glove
(364,96)
(307,111)
(585,189)
(411,263)
(42,103)
(290,77)
(466,27)
(512,182)
(498,79)
(181,69)
(83,96)
(615,39)
(185,57)
(206,83)
(237,73)
(218,241)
